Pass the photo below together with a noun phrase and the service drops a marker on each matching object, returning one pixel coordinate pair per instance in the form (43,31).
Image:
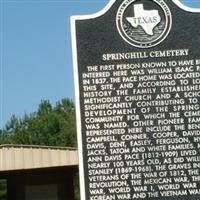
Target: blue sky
(36,59)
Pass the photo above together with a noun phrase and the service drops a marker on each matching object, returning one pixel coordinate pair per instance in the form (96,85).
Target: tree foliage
(49,125)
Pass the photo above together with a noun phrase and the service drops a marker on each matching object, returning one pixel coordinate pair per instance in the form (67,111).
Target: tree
(49,125)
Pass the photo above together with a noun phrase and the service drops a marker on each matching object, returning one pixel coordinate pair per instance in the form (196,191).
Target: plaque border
(73,20)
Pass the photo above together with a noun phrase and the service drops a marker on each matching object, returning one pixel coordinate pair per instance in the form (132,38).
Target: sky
(35,51)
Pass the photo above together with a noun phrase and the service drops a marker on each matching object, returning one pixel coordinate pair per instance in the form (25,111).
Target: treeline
(49,125)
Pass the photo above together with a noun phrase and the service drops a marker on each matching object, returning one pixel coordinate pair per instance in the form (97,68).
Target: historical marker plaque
(137,79)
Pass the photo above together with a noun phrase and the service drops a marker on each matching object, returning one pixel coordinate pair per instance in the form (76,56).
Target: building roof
(21,157)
